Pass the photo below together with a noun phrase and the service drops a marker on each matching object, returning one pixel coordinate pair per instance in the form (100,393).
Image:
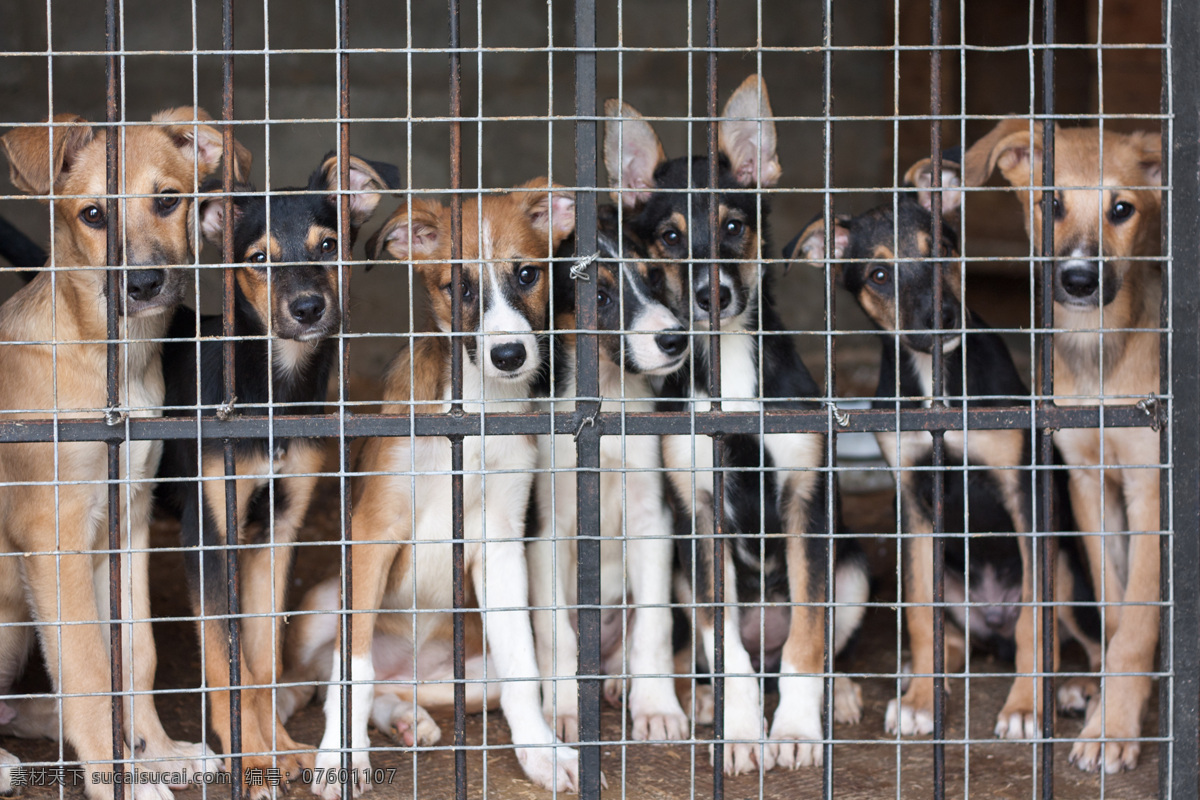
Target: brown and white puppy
(1106,233)
(775,492)
(646,339)
(891,274)
(54,497)
(401,548)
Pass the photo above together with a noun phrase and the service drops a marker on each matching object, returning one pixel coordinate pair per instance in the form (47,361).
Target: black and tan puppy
(54,497)
(1106,209)
(286,309)
(773,559)
(987,488)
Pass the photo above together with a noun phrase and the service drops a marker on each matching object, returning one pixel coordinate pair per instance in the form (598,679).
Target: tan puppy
(1102,279)
(53,498)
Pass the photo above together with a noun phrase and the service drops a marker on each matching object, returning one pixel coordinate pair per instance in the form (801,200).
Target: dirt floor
(867,763)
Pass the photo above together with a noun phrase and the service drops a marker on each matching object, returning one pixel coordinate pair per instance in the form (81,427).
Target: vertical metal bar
(1182,655)
(1165,619)
(347,254)
(830,384)
(112,155)
(587,481)
(456,393)
(1045,356)
(939,454)
(714,390)
(227,372)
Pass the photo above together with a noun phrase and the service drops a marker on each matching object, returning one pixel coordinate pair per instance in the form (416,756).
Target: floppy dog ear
(32,166)
(202,143)
(414,232)
(1150,145)
(632,152)
(747,135)
(368,179)
(212,210)
(1008,146)
(920,177)
(809,244)
(551,213)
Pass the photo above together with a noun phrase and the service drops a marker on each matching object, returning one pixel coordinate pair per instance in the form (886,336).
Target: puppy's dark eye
(257,257)
(466,290)
(1121,211)
(734,227)
(166,204)
(328,245)
(671,237)
(603,298)
(880,276)
(528,275)
(1059,210)
(92,216)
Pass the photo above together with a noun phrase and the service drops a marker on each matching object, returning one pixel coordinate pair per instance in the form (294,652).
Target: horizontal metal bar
(329,426)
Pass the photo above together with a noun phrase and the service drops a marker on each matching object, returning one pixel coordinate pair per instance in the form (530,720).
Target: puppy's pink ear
(551,213)
(747,135)
(1008,146)
(35,164)
(632,152)
(368,180)
(200,142)
(1150,146)
(412,233)
(920,176)
(810,244)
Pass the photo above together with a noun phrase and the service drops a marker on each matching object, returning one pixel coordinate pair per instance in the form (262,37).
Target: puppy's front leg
(503,583)
(653,704)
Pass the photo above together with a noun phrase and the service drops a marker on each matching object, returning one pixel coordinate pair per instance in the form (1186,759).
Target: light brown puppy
(1106,231)
(53,498)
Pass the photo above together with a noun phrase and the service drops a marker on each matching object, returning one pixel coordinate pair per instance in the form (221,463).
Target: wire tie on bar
(842,418)
(579,268)
(583,423)
(113,417)
(225,410)
(1149,406)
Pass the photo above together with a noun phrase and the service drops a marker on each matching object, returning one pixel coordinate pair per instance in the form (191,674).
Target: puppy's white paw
(1075,695)
(188,760)
(797,742)
(407,723)
(553,768)
(1016,725)
(7,762)
(907,720)
(655,710)
(327,772)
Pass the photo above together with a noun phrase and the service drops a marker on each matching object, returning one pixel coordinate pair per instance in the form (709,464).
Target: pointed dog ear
(414,232)
(202,143)
(809,244)
(632,152)
(747,135)
(920,177)
(1008,146)
(368,181)
(551,213)
(33,166)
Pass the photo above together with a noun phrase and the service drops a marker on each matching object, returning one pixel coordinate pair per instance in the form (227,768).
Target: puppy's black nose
(671,343)
(1080,281)
(308,309)
(508,357)
(704,296)
(144,284)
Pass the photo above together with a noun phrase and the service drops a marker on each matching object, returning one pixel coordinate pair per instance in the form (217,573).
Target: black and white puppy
(780,552)
(645,338)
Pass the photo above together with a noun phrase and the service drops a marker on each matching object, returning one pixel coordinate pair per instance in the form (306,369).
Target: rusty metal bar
(115,281)
(939,442)
(714,391)
(327,426)
(456,409)
(1045,389)
(346,630)
(587,444)
(228,294)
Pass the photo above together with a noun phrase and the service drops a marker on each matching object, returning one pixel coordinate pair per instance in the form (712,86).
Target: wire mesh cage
(791,399)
